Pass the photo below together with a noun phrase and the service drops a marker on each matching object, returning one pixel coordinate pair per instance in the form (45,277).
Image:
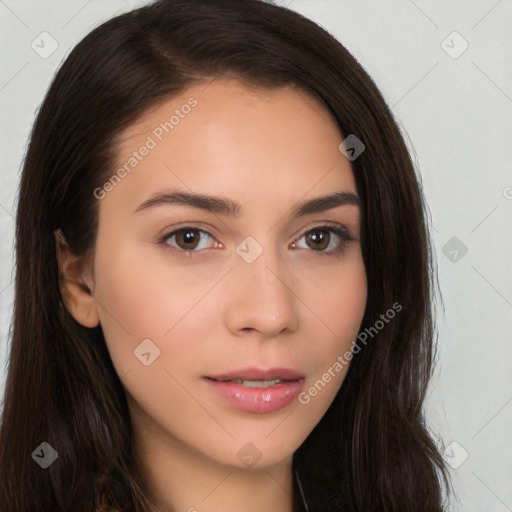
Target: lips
(258,390)
(284,374)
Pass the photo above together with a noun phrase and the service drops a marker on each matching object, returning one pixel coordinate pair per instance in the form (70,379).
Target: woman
(223,291)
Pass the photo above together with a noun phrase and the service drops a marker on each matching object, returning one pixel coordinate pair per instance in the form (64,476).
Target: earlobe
(75,285)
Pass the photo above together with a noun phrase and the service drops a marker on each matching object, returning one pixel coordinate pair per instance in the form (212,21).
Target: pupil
(188,238)
(319,239)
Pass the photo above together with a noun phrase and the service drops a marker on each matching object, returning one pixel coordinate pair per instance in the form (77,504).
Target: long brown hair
(372,450)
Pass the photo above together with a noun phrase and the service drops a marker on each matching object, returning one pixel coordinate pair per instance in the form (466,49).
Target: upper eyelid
(322,224)
(173,232)
(167,232)
(200,227)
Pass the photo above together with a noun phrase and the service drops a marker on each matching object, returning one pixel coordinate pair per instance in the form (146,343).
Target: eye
(325,239)
(188,239)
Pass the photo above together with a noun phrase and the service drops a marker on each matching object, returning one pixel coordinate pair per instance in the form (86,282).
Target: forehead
(206,113)
(225,136)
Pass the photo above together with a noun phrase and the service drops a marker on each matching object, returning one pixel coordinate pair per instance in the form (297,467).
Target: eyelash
(343,235)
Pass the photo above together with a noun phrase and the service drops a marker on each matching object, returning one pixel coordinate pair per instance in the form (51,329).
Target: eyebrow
(225,206)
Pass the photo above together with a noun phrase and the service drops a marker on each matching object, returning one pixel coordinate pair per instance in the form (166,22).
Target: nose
(261,298)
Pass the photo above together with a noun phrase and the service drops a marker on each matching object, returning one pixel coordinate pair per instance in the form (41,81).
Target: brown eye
(328,240)
(189,239)
(318,239)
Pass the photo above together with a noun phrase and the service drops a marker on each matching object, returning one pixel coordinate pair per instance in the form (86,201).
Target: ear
(75,284)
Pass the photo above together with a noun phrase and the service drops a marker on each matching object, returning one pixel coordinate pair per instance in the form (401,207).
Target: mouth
(256,390)
(254,377)
(255,383)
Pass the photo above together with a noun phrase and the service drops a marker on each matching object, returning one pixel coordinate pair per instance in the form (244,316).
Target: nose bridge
(262,298)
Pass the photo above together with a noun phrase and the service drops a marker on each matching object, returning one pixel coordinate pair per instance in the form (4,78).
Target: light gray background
(456,111)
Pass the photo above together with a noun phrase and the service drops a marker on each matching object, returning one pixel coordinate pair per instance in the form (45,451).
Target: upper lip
(259,374)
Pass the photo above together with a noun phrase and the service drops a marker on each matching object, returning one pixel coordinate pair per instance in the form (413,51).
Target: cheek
(135,301)
(338,296)
(345,308)
(340,300)
(144,299)
(142,296)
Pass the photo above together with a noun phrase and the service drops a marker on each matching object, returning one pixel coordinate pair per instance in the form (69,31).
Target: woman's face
(260,284)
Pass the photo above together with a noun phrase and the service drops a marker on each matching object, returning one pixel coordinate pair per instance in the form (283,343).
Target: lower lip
(260,400)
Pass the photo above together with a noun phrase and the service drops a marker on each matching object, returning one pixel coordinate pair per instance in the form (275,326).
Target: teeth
(257,383)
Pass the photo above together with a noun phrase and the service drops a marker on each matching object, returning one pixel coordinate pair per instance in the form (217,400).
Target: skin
(294,306)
